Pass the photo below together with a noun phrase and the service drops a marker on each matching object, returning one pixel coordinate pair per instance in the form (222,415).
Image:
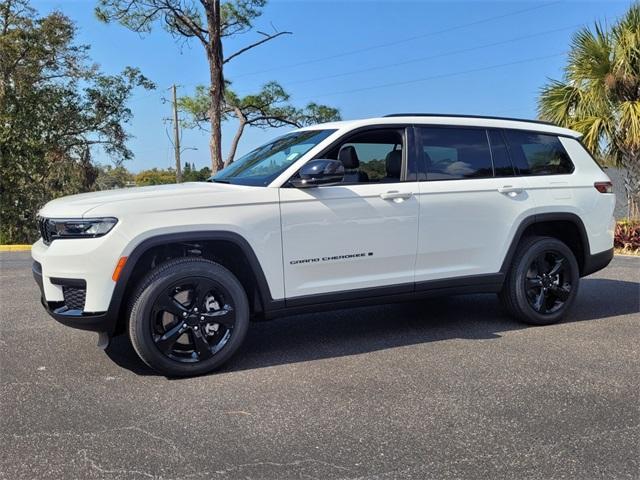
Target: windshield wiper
(218,180)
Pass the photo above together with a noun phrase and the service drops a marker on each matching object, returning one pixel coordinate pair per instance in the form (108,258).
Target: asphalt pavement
(445,388)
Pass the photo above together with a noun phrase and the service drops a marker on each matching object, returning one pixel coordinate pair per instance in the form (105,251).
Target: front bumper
(95,321)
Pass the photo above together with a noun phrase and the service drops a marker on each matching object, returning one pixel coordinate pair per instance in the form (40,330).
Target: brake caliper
(211,305)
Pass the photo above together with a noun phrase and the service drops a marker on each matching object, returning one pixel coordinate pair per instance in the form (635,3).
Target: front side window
(371,156)
(263,165)
(455,153)
(537,153)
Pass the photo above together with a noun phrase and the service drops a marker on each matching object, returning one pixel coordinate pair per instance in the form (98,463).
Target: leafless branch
(253,45)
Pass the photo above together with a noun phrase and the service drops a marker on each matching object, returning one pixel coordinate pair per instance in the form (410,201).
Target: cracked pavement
(442,388)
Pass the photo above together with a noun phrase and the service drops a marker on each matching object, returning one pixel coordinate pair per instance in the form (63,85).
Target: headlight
(53,228)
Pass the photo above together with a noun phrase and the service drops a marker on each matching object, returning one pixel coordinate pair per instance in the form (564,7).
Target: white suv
(335,215)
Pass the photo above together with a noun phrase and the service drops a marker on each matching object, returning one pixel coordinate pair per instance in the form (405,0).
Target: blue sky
(367,58)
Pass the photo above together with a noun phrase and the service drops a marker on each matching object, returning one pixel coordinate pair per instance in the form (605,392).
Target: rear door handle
(394,194)
(511,191)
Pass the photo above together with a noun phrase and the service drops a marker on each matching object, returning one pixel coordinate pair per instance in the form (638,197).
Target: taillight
(604,187)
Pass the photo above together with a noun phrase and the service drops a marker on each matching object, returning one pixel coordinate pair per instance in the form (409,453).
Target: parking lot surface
(442,388)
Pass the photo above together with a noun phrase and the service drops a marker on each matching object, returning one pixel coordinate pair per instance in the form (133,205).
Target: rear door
(471,203)
(348,239)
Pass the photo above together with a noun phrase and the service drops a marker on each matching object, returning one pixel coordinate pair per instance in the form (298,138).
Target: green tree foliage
(599,95)
(110,177)
(186,170)
(206,21)
(155,177)
(269,108)
(158,176)
(55,107)
(375,169)
(191,174)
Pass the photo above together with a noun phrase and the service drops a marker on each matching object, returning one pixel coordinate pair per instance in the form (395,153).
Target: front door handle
(395,195)
(510,190)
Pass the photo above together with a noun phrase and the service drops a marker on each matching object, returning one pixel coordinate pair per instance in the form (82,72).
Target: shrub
(627,236)
(155,177)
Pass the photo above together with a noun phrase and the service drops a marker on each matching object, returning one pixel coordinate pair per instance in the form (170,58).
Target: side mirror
(319,172)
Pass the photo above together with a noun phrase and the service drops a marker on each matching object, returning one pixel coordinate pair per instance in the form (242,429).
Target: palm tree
(599,95)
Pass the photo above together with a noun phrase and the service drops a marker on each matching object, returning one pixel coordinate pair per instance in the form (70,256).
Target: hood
(81,205)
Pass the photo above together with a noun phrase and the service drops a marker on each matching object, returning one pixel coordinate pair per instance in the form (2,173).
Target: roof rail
(541,122)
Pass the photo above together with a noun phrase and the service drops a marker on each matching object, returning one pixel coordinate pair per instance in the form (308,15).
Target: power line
(136,98)
(445,75)
(396,64)
(404,40)
(431,57)
(407,62)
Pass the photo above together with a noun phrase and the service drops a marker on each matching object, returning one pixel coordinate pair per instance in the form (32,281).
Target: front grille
(74,297)
(44,228)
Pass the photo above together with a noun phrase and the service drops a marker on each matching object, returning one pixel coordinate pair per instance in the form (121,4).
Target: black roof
(469,116)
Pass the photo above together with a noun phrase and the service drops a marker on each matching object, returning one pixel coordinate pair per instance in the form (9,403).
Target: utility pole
(176,135)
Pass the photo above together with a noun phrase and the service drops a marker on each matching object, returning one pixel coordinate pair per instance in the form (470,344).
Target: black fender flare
(543,218)
(120,289)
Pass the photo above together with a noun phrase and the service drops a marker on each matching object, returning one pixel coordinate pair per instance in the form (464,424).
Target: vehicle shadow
(355,331)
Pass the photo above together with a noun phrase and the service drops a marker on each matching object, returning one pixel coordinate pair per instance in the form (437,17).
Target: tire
(188,317)
(533,291)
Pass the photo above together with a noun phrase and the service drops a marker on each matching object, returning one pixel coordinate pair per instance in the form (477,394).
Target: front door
(349,238)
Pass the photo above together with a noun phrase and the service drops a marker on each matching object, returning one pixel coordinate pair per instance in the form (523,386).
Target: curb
(15,248)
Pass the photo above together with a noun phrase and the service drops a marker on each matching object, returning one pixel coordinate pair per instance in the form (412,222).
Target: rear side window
(537,154)
(455,153)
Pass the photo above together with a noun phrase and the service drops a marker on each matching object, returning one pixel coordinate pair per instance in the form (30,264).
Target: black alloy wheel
(542,282)
(188,317)
(548,282)
(193,320)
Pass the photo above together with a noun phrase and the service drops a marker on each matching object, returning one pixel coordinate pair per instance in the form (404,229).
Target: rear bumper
(596,262)
(95,321)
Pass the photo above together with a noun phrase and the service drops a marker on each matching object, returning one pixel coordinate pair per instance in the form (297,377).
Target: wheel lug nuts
(184,325)
(195,310)
(202,318)
(195,328)
(184,314)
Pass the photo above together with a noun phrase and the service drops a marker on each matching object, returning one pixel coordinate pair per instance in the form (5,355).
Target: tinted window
(454,153)
(500,154)
(537,154)
(370,156)
(372,160)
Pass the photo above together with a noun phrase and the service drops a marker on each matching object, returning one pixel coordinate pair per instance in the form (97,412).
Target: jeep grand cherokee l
(331,216)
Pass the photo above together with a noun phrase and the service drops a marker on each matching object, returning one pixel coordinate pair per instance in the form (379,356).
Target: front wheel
(188,317)
(542,282)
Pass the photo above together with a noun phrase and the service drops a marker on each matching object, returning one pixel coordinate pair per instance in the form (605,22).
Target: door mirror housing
(322,171)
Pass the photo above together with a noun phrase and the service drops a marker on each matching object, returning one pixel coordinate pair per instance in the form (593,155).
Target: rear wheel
(188,317)
(542,282)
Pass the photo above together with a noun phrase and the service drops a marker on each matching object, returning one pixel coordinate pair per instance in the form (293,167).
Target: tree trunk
(216,89)
(215,142)
(632,184)
(234,144)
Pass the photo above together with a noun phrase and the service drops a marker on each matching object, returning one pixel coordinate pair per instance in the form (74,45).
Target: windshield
(262,165)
